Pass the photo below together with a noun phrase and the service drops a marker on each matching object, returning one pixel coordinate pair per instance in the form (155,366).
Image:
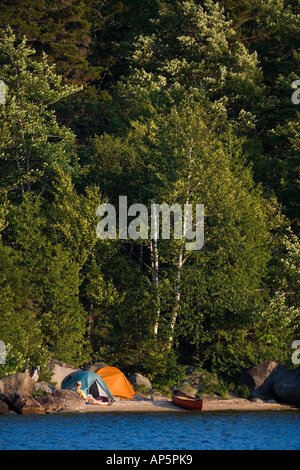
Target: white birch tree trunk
(177,295)
(180,260)
(154,255)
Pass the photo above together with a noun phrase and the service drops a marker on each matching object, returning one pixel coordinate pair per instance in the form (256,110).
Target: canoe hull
(185,401)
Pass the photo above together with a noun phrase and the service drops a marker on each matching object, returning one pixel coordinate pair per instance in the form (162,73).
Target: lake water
(160,431)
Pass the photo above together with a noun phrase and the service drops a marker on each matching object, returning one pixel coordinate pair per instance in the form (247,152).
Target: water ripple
(160,431)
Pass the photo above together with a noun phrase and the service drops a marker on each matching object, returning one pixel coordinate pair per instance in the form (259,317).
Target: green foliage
(194,45)
(32,142)
(14,362)
(219,389)
(38,392)
(20,328)
(241,390)
(267,334)
(181,102)
(289,281)
(52,282)
(60,29)
(168,375)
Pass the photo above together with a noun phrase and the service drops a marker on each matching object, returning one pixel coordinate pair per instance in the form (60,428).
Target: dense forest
(163,101)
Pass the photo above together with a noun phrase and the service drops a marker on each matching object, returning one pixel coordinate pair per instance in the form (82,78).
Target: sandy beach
(140,404)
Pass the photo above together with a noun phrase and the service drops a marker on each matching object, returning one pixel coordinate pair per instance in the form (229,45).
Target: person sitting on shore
(89,399)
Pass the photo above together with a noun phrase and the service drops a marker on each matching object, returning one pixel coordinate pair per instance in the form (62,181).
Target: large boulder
(58,400)
(197,381)
(4,408)
(48,401)
(260,379)
(140,383)
(42,387)
(287,386)
(94,367)
(23,403)
(187,387)
(60,371)
(17,382)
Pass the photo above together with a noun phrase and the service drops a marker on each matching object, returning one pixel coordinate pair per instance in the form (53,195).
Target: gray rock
(140,383)
(17,382)
(197,381)
(187,387)
(69,398)
(4,408)
(257,400)
(287,386)
(94,367)
(260,379)
(60,371)
(61,399)
(42,386)
(47,401)
(24,403)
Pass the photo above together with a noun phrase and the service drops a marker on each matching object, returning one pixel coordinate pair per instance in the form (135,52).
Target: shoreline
(165,405)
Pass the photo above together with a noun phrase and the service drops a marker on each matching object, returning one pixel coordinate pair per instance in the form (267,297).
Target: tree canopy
(164,102)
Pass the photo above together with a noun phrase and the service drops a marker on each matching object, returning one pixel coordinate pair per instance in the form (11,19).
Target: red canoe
(187,402)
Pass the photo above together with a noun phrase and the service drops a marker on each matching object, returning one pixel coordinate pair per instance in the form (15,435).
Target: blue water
(160,431)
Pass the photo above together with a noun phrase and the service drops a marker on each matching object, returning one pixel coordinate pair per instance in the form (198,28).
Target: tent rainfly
(91,383)
(118,384)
